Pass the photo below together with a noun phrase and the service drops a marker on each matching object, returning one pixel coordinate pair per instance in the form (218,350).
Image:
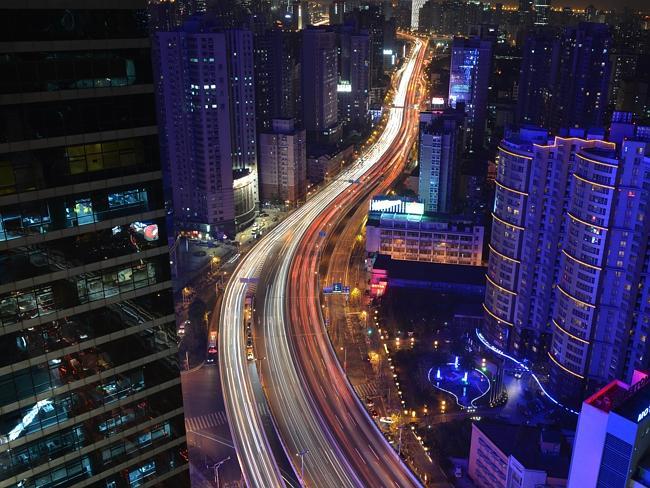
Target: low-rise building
(405,232)
(508,455)
(324,164)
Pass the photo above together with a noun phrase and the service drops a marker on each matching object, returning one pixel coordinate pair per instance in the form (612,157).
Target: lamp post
(216,467)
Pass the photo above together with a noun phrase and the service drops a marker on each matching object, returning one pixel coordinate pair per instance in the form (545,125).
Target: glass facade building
(90,390)
(469,78)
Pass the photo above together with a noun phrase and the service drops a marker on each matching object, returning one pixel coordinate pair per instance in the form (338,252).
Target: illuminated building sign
(344,87)
(396,205)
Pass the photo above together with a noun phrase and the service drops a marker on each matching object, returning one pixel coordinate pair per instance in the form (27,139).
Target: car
(374,413)
(249,342)
(249,354)
(386,420)
(458,472)
(370,403)
(517,374)
(212,355)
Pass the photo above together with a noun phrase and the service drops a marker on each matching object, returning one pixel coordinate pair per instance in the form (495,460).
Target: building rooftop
(445,221)
(635,406)
(629,401)
(431,272)
(523,443)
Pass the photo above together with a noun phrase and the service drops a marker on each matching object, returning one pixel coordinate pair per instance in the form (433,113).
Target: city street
(313,424)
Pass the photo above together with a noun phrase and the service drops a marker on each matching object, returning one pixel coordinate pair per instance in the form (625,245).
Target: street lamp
(216,470)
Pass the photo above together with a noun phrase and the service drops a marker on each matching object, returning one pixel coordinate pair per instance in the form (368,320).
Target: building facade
(207,115)
(283,163)
(353,89)
(404,232)
(506,455)
(583,77)
(277,77)
(567,253)
(537,77)
(319,83)
(440,142)
(611,444)
(471,61)
(90,391)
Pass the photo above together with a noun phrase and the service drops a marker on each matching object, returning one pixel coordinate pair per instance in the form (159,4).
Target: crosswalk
(365,390)
(214,419)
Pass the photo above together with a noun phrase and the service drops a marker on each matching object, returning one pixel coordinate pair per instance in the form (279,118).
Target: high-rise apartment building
(370,18)
(439,145)
(568,251)
(354,76)
(471,60)
(283,163)
(207,115)
(90,391)
(583,76)
(277,76)
(537,77)
(565,77)
(319,74)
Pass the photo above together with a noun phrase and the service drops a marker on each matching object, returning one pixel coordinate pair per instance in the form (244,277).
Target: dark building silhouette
(90,391)
(537,78)
(583,76)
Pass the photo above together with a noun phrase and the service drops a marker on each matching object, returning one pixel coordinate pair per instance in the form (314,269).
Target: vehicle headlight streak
(253,450)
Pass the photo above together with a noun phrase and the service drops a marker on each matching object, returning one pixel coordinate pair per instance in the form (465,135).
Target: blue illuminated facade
(468,84)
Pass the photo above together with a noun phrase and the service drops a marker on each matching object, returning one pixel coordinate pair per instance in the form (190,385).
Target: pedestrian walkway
(365,390)
(214,419)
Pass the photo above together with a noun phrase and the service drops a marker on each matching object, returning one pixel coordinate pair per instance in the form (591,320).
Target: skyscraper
(207,113)
(277,77)
(471,60)
(283,163)
(319,83)
(583,76)
(537,77)
(90,390)
(568,251)
(439,145)
(354,76)
(370,19)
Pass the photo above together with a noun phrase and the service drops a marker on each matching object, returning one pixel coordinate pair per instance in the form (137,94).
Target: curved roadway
(303,421)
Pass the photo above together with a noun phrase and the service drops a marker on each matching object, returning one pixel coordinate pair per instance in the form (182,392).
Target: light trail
(299,424)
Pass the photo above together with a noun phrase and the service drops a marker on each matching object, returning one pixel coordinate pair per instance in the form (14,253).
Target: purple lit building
(207,118)
(569,256)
